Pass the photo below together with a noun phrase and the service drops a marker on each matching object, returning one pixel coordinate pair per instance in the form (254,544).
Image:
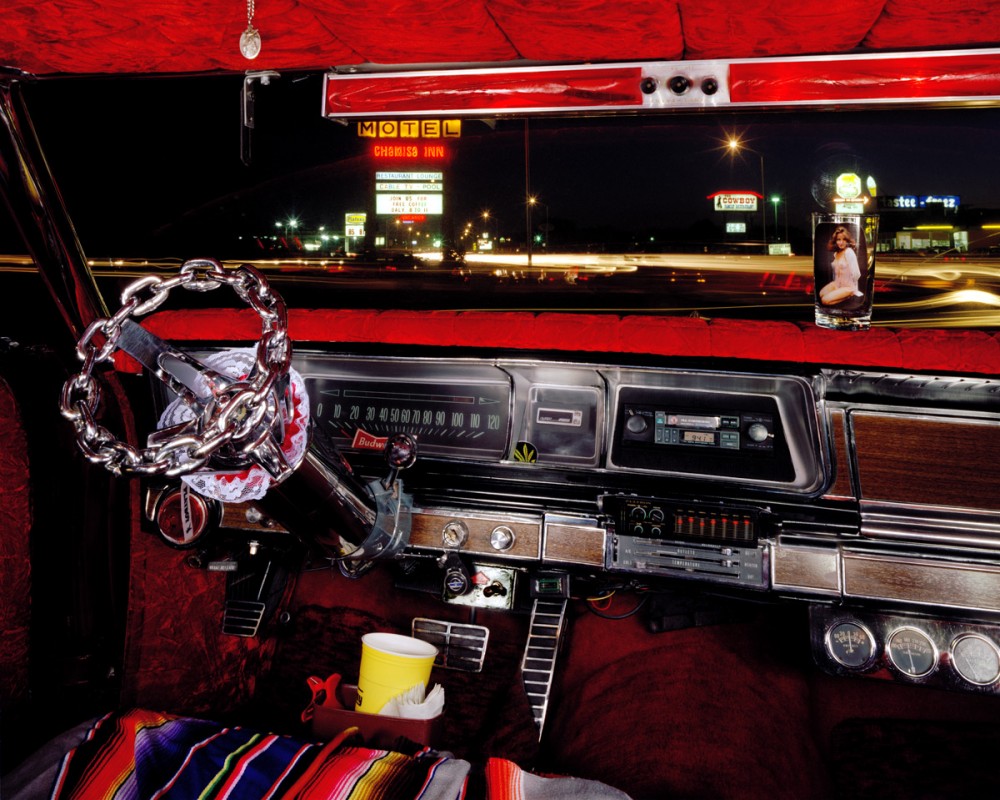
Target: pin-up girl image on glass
(843,266)
(844,269)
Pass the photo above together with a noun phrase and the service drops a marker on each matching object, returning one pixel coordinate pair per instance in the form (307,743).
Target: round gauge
(850,644)
(976,659)
(911,652)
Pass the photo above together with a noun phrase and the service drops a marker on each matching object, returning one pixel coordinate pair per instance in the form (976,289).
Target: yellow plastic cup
(390,665)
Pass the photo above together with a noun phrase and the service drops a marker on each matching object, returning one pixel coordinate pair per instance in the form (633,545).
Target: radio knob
(758,432)
(636,424)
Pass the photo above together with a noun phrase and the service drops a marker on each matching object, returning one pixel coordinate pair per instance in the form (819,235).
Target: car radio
(701,433)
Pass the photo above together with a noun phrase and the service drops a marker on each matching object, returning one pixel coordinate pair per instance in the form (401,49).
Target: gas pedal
(460,646)
(539,662)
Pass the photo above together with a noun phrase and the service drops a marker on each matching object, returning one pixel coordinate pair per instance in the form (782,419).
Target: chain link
(233,417)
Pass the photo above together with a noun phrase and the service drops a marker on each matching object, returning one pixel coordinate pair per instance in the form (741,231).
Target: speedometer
(447,417)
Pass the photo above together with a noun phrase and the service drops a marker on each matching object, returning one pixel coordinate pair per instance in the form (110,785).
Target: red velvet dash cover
(954,351)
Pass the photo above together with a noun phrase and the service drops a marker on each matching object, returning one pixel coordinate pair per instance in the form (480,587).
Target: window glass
(695,212)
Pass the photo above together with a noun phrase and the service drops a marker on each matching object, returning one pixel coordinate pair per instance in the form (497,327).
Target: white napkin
(414,704)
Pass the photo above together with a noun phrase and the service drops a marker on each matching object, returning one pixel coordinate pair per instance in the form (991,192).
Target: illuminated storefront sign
(409,193)
(396,186)
(892,203)
(354,224)
(413,152)
(849,186)
(411,129)
(736,227)
(905,202)
(409,203)
(417,177)
(849,199)
(735,201)
(944,200)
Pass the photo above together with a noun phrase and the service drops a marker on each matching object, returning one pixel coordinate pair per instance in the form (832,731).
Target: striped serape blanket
(147,755)
(142,755)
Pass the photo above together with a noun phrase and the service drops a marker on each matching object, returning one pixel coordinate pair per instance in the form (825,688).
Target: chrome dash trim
(931,525)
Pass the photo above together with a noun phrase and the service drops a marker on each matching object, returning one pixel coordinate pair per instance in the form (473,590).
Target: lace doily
(252,483)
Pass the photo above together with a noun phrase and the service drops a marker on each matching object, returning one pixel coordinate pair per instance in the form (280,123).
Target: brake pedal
(460,646)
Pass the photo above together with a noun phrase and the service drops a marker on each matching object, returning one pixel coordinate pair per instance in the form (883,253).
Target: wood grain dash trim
(928,461)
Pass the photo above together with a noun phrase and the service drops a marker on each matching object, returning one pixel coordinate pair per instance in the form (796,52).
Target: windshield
(697,212)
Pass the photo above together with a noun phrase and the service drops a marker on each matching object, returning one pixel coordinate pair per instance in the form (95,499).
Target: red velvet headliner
(950,351)
(121,36)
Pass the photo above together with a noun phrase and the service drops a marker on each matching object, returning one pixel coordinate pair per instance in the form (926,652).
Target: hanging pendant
(250,42)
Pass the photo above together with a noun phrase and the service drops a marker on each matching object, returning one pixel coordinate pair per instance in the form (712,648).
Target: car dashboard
(864,495)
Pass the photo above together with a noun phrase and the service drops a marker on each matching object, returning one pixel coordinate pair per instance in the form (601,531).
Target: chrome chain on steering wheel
(233,417)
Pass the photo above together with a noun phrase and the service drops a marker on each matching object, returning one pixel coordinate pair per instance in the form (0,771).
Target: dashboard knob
(636,424)
(502,538)
(758,432)
(401,451)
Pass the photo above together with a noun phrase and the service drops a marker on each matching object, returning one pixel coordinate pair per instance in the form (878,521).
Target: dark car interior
(669,536)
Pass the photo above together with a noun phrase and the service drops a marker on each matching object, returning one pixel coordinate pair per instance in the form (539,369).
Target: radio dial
(636,424)
(758,432)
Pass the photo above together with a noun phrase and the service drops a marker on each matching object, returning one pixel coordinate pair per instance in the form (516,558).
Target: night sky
(636,174)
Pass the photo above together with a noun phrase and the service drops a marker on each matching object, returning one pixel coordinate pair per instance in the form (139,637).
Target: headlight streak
(973,283)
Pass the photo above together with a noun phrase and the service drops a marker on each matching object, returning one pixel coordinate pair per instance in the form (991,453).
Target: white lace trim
(251,483)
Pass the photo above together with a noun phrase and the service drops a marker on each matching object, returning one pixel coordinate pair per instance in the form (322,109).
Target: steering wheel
(232,421)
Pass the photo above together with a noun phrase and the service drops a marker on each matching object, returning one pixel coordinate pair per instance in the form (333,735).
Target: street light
(775,200)
(534,201)
(735,145)
(291,222)
(487,216)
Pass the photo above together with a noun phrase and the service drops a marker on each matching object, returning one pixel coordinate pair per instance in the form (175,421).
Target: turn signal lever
(351,521)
